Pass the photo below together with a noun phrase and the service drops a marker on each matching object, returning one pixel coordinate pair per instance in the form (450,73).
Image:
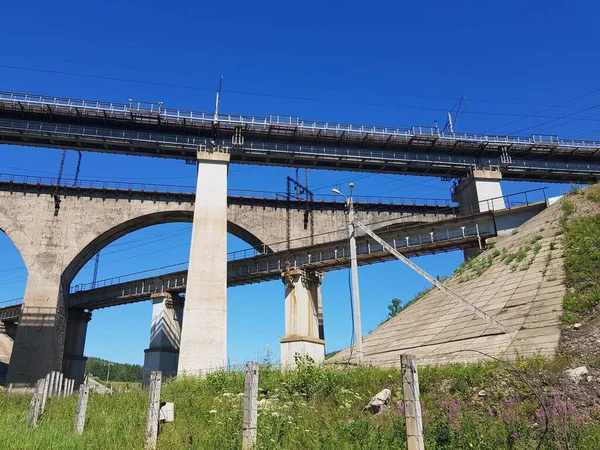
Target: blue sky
(523,67)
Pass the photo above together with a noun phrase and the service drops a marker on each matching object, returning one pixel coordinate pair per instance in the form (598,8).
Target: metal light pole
(358,344)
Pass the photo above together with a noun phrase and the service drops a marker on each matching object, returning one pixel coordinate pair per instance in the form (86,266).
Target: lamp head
(336,191)
(351,187)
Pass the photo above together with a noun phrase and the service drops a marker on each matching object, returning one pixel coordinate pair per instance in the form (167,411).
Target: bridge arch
(143,221)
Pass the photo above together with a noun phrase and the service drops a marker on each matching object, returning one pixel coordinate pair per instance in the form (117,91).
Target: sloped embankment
(519,281)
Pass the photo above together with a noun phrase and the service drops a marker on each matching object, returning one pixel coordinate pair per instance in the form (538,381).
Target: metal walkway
(151,129)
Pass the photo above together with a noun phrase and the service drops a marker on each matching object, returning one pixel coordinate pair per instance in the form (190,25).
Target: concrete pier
(479,192)
(74,359)
(204,333)
(304,334)
(165,335)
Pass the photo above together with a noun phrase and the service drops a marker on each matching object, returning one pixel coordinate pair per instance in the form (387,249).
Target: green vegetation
(593,193)
(582,267)
(98,368)
(474,267)
(396,307)
(485,406)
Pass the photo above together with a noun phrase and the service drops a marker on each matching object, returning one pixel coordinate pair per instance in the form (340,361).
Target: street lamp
(354,273)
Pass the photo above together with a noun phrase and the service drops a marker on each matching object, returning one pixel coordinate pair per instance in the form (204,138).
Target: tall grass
(316,408)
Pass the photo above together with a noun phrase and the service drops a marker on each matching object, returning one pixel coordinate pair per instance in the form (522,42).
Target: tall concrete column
(304,333)
(74,359)
(165,336)
(479,192)
(204,332)
(39,340)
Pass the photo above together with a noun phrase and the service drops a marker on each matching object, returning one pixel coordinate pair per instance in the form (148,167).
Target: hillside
(519,281)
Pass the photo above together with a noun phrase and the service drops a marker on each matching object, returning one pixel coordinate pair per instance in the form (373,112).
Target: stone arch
(16,235)
(138,223)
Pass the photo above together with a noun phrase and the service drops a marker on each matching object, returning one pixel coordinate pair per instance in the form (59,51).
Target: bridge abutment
(74,360)
(204,334)
(165,336)
(304,331)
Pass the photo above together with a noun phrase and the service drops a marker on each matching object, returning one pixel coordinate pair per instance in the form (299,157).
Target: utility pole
(358,343)
(108,372)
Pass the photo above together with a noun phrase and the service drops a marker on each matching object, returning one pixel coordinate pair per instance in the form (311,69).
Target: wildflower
(515,435)
(400,406)
(475,416)
(227,394)
(212,411)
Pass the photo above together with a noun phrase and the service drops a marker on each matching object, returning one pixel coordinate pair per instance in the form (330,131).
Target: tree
(394,307)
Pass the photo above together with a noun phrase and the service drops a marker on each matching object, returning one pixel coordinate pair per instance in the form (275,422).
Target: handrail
(34,180)
(158,110)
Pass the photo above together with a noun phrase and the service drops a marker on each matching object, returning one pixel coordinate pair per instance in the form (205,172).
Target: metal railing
(147,141)
(266,266)
(34,180)
(157,109)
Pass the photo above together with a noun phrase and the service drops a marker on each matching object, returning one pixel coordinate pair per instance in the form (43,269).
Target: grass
(321,407)
(582,267)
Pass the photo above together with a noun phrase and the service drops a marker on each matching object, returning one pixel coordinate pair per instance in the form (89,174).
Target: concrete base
(162,359)
(304,331)
(291,348)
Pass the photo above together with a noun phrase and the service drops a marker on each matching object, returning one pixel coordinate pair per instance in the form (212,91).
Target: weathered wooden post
(153,410)
(412,403)
(46,392)
(52,384)
(250,407)
(84,392)
(59,384)
(36,403)
(71,384)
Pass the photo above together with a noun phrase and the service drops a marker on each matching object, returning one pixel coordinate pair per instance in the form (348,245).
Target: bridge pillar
(9,328)
(39,340)
(165,335)
(204,333)
(304,332)
(73,359)
(479,192)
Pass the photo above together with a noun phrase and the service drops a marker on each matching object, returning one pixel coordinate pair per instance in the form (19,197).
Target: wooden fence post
(59,384)
(84,392)
(412,403)
(46,392)
(153,410)
(36,403)
(250,407)
(52,384)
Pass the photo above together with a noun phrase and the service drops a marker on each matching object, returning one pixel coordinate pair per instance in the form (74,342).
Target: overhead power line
(536,114)
(270,82)
(287,97)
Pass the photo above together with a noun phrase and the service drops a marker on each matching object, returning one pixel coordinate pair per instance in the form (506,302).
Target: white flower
(227,394)
(212,411)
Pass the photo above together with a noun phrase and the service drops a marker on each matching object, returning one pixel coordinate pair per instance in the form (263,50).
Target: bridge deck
(153,130)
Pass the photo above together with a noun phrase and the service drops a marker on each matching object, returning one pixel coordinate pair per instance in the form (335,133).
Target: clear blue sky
(522,66)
